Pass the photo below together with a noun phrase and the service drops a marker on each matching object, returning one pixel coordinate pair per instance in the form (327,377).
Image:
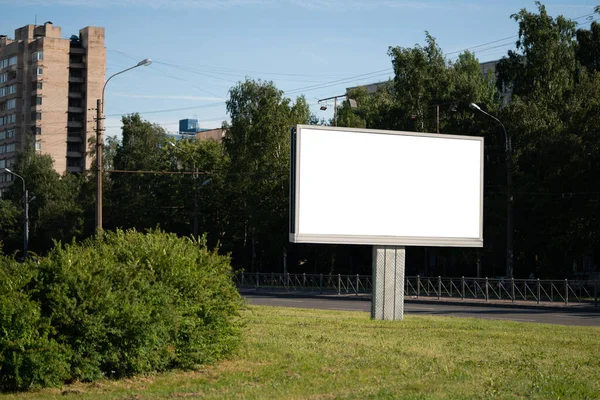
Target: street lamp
(26,216)
(351,102)
(100,142)
(509,196)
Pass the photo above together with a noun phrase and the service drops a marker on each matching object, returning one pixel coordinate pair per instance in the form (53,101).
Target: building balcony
(77,65)
(74,138)
(76,95)
(77,110)
(74,169)
(77,50)
(75,154)
(74,79)
(75,124)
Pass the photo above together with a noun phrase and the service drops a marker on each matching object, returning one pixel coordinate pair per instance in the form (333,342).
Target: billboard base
(388,283)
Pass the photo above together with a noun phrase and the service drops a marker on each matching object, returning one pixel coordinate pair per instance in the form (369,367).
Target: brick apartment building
(48,91)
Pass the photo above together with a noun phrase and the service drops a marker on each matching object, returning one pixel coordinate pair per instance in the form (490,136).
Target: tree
(57,213)
(551,118)
(10,217)
(543,65)
(257,144)
(429,92)
(139,200)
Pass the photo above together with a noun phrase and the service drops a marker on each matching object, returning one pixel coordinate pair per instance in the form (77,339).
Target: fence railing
(535,290)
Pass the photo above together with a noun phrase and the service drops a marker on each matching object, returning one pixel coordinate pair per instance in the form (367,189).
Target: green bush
(28,357)
(128,304)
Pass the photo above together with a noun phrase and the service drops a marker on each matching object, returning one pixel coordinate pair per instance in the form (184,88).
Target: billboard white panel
(385,187)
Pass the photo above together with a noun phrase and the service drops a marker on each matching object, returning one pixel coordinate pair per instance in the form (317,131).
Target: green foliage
(127,304)
(130,196)
(57,213)
(257,144)
(543,66)
(29,357)
(10,216)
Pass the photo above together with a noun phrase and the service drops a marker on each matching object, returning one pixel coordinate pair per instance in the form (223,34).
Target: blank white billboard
(385,187)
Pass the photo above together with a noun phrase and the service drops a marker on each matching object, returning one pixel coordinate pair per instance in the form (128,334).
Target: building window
(4,177)
(10,133)
(2,163)
(37,130)
(37,56)
(2,148)
(11,103)
(4,63)
(36,116)
(10,148)
(12,89)
(38,145)
(38,85)
(39,71)
(2,135)
(2,91)
(37,101)
(3,77)
(9,119)
(12,60)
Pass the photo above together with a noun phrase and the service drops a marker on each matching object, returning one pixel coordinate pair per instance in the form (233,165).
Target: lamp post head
(145,62)
(474,107)
(8,170)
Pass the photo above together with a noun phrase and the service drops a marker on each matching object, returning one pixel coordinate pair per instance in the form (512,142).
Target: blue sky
(201,48)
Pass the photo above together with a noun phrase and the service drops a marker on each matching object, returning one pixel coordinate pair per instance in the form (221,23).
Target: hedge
(127,304)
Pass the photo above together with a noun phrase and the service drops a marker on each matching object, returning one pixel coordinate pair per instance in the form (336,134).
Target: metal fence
(535,290)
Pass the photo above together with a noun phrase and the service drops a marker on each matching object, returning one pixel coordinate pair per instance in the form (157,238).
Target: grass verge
(314,354)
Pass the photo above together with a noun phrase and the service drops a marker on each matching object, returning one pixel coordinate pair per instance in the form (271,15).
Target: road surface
(560,316)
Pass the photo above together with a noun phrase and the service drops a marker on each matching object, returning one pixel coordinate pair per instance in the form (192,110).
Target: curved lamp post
(509,196)
(26,215)
(100,142)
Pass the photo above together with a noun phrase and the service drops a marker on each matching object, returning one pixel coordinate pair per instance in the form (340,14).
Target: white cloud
(176,97)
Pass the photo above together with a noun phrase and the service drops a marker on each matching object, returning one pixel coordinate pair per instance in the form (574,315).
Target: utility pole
(99,166)
(100,142)
(437,117)
(195,202)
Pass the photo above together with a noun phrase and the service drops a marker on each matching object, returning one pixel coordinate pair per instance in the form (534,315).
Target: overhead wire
(360,77)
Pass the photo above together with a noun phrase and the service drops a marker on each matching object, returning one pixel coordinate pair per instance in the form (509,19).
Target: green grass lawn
(314,354)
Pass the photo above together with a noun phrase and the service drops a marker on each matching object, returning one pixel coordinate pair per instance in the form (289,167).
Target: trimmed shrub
(133,303)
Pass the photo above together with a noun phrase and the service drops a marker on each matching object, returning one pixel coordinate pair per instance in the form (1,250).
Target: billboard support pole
(388,283)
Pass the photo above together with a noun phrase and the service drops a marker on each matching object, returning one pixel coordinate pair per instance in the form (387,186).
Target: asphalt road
(559,316)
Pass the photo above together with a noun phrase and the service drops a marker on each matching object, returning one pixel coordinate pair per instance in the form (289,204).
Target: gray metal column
(388,282)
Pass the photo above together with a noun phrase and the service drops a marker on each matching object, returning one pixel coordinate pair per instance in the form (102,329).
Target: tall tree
(141,200)
(543,65)
(257,143)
